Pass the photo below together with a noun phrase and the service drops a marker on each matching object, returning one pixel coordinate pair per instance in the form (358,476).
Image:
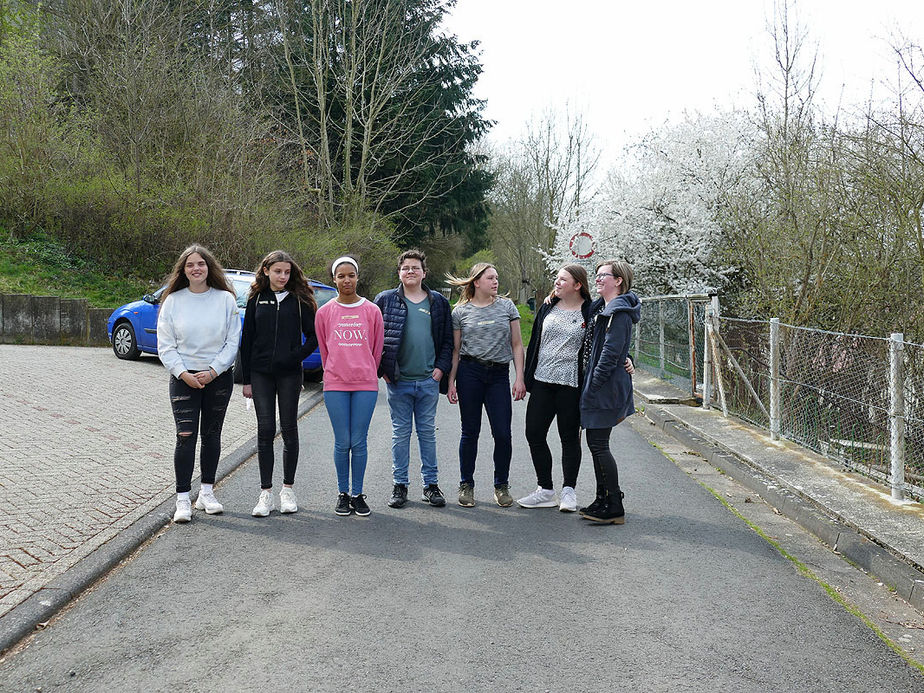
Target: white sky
(628,66)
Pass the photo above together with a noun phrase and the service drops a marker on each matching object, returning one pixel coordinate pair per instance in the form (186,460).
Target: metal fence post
(774,378)
(897,415)
(661,335)
(691,348)
(638,339)
(707,360)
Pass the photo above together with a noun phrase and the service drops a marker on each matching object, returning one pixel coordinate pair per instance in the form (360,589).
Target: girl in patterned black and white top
(554,374)
(553,378)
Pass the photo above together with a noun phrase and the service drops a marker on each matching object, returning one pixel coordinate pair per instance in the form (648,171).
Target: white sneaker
(287,503)
(183,511)
(540,498)
(568,500)
(264,506)
(209,503)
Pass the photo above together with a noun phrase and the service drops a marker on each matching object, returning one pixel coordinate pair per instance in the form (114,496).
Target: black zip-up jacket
(271,337)
(535,341)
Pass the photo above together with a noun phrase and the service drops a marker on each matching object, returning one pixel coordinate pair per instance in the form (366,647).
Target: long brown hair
(579,274)
(297,285)
(468,283)
(216,278)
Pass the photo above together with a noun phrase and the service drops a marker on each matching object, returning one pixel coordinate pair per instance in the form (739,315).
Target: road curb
(864,550)
(40,607)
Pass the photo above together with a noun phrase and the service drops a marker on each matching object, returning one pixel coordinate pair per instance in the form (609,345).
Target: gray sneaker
(502,495)
(466,495)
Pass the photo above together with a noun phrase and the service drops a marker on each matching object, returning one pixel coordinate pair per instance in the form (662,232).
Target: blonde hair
(468,283)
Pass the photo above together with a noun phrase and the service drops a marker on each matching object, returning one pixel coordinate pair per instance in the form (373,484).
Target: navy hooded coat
(606,397)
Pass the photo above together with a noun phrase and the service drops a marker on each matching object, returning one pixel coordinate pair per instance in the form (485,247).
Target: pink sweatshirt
(350,338)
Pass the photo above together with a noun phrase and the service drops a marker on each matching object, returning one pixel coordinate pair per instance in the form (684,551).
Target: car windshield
(241,288)
(322,295)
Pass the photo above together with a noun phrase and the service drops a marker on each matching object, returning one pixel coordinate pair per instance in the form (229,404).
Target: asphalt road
(684,596)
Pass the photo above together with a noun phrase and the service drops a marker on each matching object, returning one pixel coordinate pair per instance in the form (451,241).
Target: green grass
(526,323)
(42,266)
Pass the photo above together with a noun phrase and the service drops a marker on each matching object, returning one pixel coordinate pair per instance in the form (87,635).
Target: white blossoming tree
(662,207)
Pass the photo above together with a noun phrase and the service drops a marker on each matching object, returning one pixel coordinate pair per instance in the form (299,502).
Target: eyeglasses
(599,277)
(408,270)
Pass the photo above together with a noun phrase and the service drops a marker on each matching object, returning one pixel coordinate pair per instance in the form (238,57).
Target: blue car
(132,328)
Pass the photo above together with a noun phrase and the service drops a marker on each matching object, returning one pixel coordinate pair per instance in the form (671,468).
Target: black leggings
(560,402)
(267,387)
(598,440)
(198,410)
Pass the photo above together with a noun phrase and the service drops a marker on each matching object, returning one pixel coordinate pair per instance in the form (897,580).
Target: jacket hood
(626,303)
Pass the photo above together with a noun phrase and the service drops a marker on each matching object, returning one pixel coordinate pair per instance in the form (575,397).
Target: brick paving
(86,448)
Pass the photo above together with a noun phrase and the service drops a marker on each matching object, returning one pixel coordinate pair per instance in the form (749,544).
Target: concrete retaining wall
(27,319)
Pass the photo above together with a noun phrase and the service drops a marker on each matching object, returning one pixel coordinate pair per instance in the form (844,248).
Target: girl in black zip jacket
(280,312)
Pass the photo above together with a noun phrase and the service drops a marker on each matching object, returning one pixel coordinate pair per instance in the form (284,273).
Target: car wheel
(238,368)
(314,376)
(124,344)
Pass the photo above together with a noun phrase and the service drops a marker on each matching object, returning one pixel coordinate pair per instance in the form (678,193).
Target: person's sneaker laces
(209,503)
(398,496)
(502,495)
(568,500)
(360,507)
(264,506)
(432,495)
(287,502)
(466,495)
(540,498)
(344,507)
(183,511)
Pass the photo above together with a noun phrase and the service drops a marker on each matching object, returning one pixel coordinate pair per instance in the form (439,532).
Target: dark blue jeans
(489,387)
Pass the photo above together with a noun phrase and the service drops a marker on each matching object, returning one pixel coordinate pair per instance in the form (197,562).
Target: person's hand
(437,374)
(385,378)
(191,380)
(248,391)
(452,395)
(207,376)
(548,300)
(630,368)
(519,390)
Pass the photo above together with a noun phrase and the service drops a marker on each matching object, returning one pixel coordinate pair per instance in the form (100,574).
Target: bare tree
(542,181)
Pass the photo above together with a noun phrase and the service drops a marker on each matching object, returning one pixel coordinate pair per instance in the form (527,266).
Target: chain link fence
(836,394)
(669,339)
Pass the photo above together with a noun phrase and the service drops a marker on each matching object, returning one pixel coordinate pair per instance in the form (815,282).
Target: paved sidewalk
(86,450)
(849,512)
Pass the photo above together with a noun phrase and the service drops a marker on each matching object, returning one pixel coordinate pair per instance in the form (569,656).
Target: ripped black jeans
(199,411)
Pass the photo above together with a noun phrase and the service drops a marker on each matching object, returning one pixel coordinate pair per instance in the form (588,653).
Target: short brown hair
(413,254)
(621,269)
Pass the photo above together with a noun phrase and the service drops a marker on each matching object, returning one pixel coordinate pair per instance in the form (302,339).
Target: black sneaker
(359,505)
(433,496)
(344,507)
(398,496)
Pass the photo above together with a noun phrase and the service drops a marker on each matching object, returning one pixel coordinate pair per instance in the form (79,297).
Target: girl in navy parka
(606,397)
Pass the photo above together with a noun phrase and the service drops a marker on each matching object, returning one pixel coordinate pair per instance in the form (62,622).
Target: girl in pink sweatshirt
(350,336)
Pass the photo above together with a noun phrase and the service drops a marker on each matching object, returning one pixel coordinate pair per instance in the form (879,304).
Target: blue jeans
(350,414)
(413,400)
(478,385)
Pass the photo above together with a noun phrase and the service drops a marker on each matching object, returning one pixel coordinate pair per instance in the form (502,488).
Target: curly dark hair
(297,285)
